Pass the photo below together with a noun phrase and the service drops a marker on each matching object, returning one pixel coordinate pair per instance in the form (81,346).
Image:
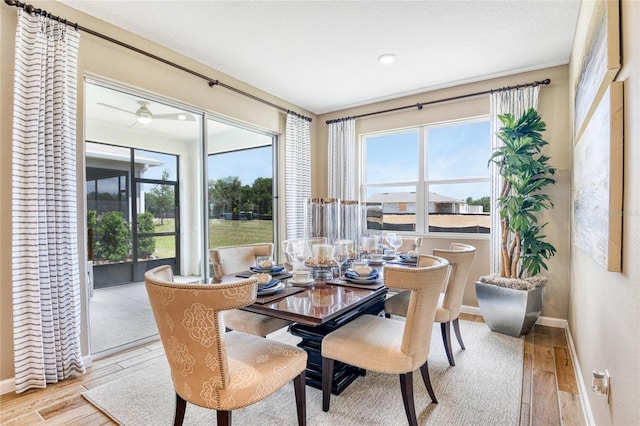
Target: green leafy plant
(146,245)
(113,237)
(526,172)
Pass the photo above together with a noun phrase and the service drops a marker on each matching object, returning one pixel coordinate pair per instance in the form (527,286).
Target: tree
(146,245)
(263,195)
(161,199)
(113,239)
(226,194)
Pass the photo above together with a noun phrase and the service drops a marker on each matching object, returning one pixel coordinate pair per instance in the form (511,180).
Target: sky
(454,152)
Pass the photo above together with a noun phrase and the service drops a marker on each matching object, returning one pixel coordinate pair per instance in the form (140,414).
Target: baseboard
(548,321)
(9,385)
(582,388)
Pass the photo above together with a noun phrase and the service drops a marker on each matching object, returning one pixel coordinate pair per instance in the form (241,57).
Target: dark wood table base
(343,374)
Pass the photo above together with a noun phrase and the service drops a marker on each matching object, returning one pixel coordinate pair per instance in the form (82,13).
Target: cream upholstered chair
(213,369)
(388,345)
(410,244)
(231,260)
(460,257)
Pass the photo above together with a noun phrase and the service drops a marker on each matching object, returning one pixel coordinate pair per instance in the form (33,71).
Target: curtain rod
(211,81)
(437,101)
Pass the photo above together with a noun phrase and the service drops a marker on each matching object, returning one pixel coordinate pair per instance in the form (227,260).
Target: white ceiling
(322,55)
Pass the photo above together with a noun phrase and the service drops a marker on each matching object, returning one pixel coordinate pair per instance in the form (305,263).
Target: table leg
(343,374)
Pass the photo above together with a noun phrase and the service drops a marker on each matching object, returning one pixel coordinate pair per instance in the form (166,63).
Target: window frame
(423,183)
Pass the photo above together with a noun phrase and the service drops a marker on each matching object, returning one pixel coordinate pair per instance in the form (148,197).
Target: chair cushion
(252,323)
(369,342)
(257,368)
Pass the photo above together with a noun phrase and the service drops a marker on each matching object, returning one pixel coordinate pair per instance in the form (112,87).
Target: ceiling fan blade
(116,108)
(180,116)
(133,124)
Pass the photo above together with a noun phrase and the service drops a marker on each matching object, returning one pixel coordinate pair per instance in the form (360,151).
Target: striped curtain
(297,174)
(515,102)
(46,285)
(342,160)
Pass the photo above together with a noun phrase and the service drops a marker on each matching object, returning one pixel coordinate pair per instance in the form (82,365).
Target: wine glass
(297,253)
(341,254)
(394,240)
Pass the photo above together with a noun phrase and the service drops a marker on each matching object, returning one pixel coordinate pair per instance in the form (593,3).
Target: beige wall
(554,108)
(103,59)
(604,318)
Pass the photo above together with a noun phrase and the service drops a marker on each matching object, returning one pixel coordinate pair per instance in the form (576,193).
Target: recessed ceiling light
(387,58)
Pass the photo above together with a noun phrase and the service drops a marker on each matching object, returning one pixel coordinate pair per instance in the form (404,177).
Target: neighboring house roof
(409,197)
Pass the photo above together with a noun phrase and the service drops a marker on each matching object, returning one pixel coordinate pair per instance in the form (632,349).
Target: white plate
(301,283)
(362,280)
(276,288)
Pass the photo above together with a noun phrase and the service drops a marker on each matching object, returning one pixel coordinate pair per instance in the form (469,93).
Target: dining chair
(460,257)
(387,345)
(410,244)
(229,260)
(211,368)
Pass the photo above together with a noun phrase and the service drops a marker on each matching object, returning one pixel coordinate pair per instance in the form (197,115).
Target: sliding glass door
(144,188)
(241,184)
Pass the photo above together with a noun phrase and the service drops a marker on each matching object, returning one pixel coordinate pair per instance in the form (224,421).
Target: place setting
(360,275)
(301,279)
(265,265)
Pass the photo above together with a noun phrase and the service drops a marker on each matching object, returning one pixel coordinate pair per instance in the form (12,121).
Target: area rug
(484,388)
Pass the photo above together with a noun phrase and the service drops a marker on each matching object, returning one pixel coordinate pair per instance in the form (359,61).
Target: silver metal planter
(509,311)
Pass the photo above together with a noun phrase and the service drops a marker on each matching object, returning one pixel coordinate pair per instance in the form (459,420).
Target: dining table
(317,309)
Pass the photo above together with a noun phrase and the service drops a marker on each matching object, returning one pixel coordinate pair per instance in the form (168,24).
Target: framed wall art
(600,63)
(597,177)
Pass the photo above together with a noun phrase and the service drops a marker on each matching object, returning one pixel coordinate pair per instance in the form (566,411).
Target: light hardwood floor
(549,387)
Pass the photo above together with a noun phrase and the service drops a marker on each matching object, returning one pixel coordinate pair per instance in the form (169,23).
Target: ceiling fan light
(387,58)
(143,119)
(143,115)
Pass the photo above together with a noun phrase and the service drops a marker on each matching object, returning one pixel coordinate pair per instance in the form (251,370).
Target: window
(430,178)
(241,185)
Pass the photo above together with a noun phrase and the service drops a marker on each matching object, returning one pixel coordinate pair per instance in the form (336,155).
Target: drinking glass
(297,252)
(341,254)
(394,240)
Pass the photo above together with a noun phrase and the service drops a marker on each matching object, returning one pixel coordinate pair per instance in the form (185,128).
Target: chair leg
(456,328)
(427,381)
(181,406)
(299,386)
(406,386)
(327,379)
(223,417)
(445,327)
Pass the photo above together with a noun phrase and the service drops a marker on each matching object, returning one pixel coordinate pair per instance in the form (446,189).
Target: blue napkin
(373,275)
(263,287)
(408,258)
(272,269)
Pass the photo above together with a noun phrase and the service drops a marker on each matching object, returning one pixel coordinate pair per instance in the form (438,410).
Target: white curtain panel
(342,160)
(297,174)
(516,102)
(46,284)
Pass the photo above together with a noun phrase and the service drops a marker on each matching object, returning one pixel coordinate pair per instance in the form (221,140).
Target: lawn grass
(232,232)
(221,233)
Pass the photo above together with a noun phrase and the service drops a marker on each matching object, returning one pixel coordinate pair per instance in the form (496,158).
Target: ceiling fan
(145,116)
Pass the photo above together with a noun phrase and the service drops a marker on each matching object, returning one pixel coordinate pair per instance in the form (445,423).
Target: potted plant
(511,301)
